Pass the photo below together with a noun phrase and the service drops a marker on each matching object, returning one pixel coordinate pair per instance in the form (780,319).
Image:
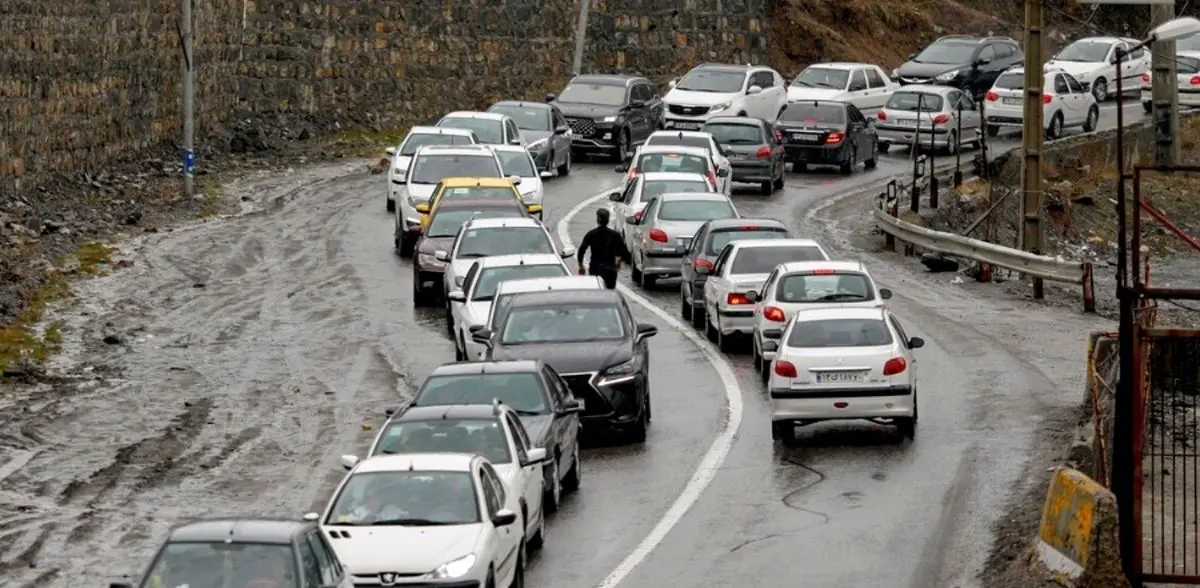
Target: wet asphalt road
(251,352)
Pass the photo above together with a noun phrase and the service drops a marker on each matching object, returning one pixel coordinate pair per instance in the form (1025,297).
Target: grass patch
(94,259)
(368,143)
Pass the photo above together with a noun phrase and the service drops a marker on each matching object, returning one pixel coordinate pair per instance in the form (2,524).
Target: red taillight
(703,263)
(835,137)
(749,228)
(658,236)
(823,272)
(941,119)
(1195,81)
(881,116)
(895,365)
(785,369)
(774,314)
(763,152)
(737,299)
(991,96)
(1145,78)
(1046,98)
(810,121)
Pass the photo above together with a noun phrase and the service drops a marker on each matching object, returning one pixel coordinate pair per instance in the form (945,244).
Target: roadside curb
(1077,540)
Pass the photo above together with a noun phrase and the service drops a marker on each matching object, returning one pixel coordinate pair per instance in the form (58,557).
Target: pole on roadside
(189,100)
(1032,231)
(580,36)
(958,176)
(915,203)
(1164,90)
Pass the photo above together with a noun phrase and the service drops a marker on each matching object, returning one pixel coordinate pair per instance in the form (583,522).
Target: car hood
(579,110)
(404,550)
(678,96)
(569,358)
(1077,69)
(913,69)
(431,245)
(801,93)
(420,191)
(530,186)
(531,136)
(538,427)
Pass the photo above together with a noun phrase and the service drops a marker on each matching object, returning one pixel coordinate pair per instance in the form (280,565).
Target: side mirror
(311,516)
(916,343)
(390,150)
(723,172)
(752,296)
(772,333)
(562,130)
(482,337)
(632,220)
(348,461)
(567,252)
(457,296)
(910,56)
(458,281)
(885,294)
(441,255)
(703,271)
(474,329)
(504,517)
(983,61)
(422,208)
(771,346)
(514,141)
(550,97)
(535,456)
(671,84)
(516,180)
(546,174)
(752,90)
(646,330)
(621,168)
(571,406)
(615,196)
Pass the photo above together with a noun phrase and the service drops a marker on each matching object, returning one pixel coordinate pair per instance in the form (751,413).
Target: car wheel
(391,205)
(1148,107)
(635,273)
(1100,90)
(766,188)
(883,147)
(538,540)
(951,143)
(698,314)
(491,580)
(778,185)
(724,342)
(408,245)
(783,431)
(993,130)
(685,307)
(565,169)
(622,146)
(460,353)
(765,371)
(1054,131)
(871,163)
(709,330)
(649,405)
(800,166)
(420,296)
(758,359)
(1093,117)
(574,475)
(847,166)
(553,493)
(449,318)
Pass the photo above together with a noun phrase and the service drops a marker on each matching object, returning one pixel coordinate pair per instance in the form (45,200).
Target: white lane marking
(717,452)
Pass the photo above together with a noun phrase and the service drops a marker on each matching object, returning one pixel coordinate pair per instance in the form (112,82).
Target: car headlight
(721,106)
(429,261)
(455,568)
(622,372)
(609,119)
(946,77)
(538,145)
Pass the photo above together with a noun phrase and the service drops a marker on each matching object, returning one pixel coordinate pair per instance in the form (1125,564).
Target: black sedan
(591,338)
(754,148)
(822,132)
(548,409)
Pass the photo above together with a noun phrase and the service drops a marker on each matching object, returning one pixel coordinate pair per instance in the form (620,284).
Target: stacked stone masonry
(85,82)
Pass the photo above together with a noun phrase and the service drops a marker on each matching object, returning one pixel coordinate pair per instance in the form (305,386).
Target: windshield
(431,169)
(214,565)
(822,77)
(812,114)
(1186,65)
(489,279)
(713,80)
(762,260)
(1013,80)
(517,163)
(503,241)
(1190,43)
(563,324)
(684,141)
(532,119)
(446,223)
(652,188)
(724,237)
(522,392)
(412,498)
(673,162)
(489,131)
(422,139)
(1085,51)
(480,437)
(736,134)
(908,101)
(599,94)
(947,53)
(695,210)
(480,192)
(840,333)
(838,287)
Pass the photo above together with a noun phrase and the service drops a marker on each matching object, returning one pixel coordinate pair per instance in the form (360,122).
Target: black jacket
(606,246)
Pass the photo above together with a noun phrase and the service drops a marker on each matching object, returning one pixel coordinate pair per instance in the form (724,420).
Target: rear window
(910,100)
(1011,81)
(809,113)
(723,237)
(735,134)
(684,141)
(840,287)
(840,333)
(478,192)
(673,162)
(423,139)
(654,188)
(695,210)
(1187,65)
(762,260)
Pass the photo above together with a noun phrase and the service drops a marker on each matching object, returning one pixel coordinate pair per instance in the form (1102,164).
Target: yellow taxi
(473,189)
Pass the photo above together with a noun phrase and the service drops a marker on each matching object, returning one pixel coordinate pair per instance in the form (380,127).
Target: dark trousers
(606,273)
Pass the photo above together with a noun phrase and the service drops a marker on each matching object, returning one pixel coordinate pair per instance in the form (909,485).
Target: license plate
(733,156)
(806,137)
(687,126)
(907,122)
(841,377)
(1012,101)
(683,242)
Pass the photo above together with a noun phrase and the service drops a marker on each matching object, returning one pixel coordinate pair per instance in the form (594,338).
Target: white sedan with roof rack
(507,289)
(842,364)
(864,85)
(1066,103)
(471,304)
(806,285)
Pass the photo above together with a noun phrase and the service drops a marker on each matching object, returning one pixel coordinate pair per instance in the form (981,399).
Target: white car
(804,285)
(1066,103)
(742,267)
(861,84)
(471,304)
(678,159)
(516,161)
(1187,71)
(455,522)
(714,89)
(632,200)
(402,154)
(485,237)
(699,139)
(843,364)
(430,165)
(1090,60)
(476,351)
(490,128)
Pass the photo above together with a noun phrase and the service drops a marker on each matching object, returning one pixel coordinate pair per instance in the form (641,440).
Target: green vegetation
(368,143)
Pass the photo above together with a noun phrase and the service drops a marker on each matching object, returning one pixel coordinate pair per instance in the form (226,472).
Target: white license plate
(806,137)
(906,122)
(687,126)
(683,242)
(1012,101)
(841,377)
(733,156)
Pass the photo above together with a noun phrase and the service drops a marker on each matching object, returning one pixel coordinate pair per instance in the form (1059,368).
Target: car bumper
(403,583)
(602,139)
(818,154)
(753,171)
(860,403)
(905,135)
(735,320)
(662,263)
(431,279)
(685,123)
(616,403)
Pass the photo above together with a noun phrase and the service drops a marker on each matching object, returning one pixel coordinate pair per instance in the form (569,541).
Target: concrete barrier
(1077,541)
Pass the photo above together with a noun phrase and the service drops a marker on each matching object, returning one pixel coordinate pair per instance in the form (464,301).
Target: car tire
(635,273)
(951,143)
(709,331)
(724,342)
(685,307)
(698,313)
(391,205)
(993,130)
(847,166)
(460,353)
(767,188)
(623,145)
(1093,117)
(1100,90)
(552,496)
(574,475)
(784,431)
(449,317)
(765,372)
(538,540)
(871,163)
(1054,131)
(883,147)
(408,246)
(799,166)
(421,298)
(491,580)
(564,170)
(758,358)
(1148,107)
(778,185)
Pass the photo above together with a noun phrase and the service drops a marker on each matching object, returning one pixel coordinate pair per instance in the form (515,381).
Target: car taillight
(991,96)
(703,263)
(822,272)
(881,115)
(774,314)
(763,152)
(941,119)
(1195,81)
(895,365)
(785,369)
(835,137)
(1046,98)
(737,299)
(1145,78)
(658,236)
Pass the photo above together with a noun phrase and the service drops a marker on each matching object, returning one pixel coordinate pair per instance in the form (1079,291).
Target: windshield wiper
(488,298)
(528,412)
(842,296)
(827,85)
(740,141)
(802,83)
(471,255)
(413,522)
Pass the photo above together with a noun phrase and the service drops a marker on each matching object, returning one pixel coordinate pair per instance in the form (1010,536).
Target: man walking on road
(608,251)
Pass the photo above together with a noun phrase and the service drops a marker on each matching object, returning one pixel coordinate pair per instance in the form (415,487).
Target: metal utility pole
(580,36)
(189,123)
(1032,232)
(1165,91)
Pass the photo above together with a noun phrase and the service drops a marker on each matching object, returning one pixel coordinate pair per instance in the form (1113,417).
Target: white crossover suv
(715,89)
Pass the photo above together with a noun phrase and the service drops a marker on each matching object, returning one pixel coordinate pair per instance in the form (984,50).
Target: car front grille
(905,80)
(594,403)
(687,110)
(582,126)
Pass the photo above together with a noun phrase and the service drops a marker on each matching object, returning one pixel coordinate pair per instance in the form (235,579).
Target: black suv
(609,114)
(968,63)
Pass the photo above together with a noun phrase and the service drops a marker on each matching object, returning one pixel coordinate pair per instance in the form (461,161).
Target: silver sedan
(929,117)
(659,238)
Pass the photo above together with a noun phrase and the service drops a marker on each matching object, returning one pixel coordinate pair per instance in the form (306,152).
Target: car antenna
(496,406)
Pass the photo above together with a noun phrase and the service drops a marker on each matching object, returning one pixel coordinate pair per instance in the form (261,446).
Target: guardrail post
(1089,293)
(933,190)
(958,177)
(889,240)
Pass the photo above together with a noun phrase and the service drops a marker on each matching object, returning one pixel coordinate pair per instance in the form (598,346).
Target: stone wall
(85,83)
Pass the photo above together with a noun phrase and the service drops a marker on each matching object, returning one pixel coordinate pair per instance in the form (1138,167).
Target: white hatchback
(842,364)
(1066,103)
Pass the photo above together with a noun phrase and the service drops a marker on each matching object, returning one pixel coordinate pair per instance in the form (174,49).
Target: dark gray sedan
(545,131)
(754,148)
(703,250)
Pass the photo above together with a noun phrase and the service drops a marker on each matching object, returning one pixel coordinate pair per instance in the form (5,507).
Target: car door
(458,310)
(864,134)
(856,88)
(562,135)
(719,160)
(716,287)
(332,573)
(637,232)
(309,568)
(504,556)
(778,98)
(643,95)
(971,121)
(1067,104)
(558,441)
(878,91)
(1079,97)
(989,70)
(531,474)
(761,102)
(687,264)
(624,207)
